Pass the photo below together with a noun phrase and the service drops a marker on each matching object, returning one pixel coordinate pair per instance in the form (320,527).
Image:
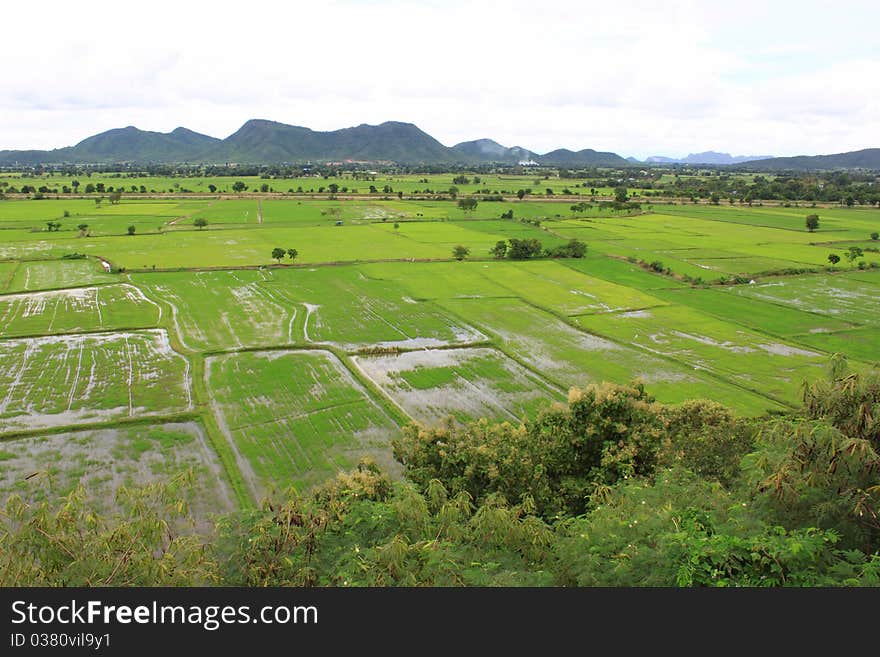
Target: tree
(396,225)
(200,222)
(573,249)
(238,187)
(292,253)
(278,253)
(812,222)
(460,252)
(875,236)
(620,195)
(833,259)
(499,250)
(520,193)
(854,253)
(467,204)
(131,230)
(82,229)
(212,188)
(523,249)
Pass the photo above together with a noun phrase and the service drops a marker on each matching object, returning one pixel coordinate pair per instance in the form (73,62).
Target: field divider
(61,288)
(10,278)
(379,396)
(182,416)
(61,334)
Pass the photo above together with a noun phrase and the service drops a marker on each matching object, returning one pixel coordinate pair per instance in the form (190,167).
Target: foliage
(523,249)
(460,252)
(604,434)
(467,204)
(64,542)
(706,438)
(574,248)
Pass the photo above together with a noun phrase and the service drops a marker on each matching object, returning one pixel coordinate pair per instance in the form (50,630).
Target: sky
(635,78)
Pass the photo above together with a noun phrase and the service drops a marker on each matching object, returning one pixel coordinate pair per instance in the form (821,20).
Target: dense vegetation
(713,185)
(611,488)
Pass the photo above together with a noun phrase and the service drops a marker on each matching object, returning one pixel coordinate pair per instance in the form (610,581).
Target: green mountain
(122,145)
(259,141)
(868,158)
(587,157)
(487,150)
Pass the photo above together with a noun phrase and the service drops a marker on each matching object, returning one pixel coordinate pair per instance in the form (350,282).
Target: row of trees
(609,489)
(278,254)
(524,249)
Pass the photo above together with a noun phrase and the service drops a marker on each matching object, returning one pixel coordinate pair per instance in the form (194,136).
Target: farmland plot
(345,307)
(103,459)
(74,379)
(76,309)
(294,418)
(226,309)
(836,296)
(567,291)
(757,362)
(569,357)
(467,384)
(54,274)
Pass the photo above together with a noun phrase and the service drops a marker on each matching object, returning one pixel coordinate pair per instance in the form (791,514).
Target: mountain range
(268,142)
(707,157)
(260,141)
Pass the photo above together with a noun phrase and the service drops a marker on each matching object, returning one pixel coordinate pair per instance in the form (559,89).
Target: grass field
(432,385)
(67,380)
(199,350)
(295,418)
(76,310)
(101,460)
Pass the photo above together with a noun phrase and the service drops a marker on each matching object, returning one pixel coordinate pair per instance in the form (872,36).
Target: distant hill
(259,141)
(706,157)
(179,145)
(122,145)
(868,158)
(487,150)
(587,157)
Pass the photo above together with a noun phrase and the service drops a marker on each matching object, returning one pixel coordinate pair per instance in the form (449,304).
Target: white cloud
(637,77)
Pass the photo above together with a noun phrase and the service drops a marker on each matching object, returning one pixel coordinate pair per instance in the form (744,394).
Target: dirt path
(259,211)
(187,216)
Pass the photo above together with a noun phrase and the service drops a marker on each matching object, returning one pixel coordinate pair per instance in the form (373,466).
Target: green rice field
(135,343)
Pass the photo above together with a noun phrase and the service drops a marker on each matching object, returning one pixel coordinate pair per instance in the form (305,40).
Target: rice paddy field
(135,343)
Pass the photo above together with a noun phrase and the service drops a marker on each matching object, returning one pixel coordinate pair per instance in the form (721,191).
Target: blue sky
(637,78)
